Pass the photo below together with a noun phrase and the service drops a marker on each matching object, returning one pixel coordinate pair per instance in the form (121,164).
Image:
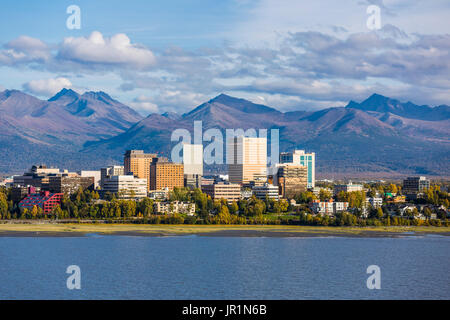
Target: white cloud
(47,87)
(24,49)
(96,49)
(144,104)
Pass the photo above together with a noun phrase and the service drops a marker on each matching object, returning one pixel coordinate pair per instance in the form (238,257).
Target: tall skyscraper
(246,159)
(193,158)
(193,165)
(137,163)
(291,179)
(299,157)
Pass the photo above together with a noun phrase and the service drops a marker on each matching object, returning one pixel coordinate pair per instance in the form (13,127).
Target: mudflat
(39,229)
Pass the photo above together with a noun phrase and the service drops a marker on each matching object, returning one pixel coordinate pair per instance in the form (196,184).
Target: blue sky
(161,56)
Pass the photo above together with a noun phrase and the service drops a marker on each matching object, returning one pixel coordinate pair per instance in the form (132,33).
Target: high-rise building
(109,172)
(125,187)
(193,159)
(291,179)
(246,159)
(193,180)
(137,163)
(165,174)
(193,165)
(300,157)
(414,185)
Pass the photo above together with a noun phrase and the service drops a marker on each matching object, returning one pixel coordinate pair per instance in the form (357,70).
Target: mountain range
(378,137)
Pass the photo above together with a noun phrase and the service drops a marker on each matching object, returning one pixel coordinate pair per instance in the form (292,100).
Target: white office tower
(109,172)
(300,157)
(193,159)
(246,159)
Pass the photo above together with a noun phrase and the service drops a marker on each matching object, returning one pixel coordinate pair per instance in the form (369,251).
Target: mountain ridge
(375,137)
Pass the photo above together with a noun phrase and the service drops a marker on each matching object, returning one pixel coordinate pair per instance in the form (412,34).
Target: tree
(34,212)
(234,208)
(224,216)
(3,205)
(379,213)
(324,195)
(427,212)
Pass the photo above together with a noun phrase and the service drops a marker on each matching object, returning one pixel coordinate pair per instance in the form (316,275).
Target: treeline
(85,205)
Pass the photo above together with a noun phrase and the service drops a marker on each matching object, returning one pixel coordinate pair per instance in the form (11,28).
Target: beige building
(228,191)
(137,162)
(165,174)
(246,159)
(350,187)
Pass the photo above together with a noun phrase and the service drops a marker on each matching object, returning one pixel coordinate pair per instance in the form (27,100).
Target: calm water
(120,267)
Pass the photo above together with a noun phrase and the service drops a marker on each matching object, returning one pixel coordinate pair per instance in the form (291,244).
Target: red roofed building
(46,200)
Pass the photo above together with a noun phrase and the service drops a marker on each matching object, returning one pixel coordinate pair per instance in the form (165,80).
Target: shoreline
(276,231)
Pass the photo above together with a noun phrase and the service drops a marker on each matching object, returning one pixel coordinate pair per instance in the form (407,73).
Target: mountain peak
(223,98)
(65,93)
(382,104)
(97,95)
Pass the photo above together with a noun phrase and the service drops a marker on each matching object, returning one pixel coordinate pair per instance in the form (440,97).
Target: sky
(159,56)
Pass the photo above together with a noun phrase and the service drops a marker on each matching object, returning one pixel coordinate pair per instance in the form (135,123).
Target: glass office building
(300,157)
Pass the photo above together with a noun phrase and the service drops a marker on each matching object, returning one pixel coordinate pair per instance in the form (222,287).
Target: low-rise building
(168,207)
(19,192)
(69,185)
(415,185)
(266,190)
(349,187)
(396,199)
(246,193)
(329,207)
(316,190)
(94,174)
(159,194)
(375,202)
(44,200)
(126,187)
(228,191)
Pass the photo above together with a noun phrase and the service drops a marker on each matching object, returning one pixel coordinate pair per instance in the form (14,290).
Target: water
(192,267)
